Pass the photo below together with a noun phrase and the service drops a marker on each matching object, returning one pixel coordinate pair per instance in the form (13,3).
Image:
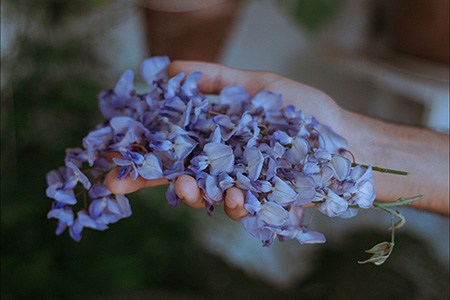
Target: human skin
(422,153)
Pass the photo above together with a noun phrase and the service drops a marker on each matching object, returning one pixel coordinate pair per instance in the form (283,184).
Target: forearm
(422,153)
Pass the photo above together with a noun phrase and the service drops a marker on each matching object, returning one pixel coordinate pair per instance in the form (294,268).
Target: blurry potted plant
(420,28)
(191,29)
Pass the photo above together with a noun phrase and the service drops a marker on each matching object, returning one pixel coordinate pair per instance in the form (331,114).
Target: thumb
(128,185)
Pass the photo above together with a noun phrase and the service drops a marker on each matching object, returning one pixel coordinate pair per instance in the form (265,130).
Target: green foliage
(313,14)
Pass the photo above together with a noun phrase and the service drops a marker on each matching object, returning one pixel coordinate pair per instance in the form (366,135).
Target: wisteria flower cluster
(283,160)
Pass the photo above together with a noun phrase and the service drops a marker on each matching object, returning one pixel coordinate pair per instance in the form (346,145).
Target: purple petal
(121,162)
(52,189)
(183,146)
(251,225)
(99,190)
(155,68)
(341,167)
(220,157)
(310,237)
(311,167)
(252,205)
(108,217)
(330,140)
(134,172)
(243,182)
(124,206)
(333,205)
(161,146)
(258,229)
(190,84)
(225,181)
(282,137)
(151,168)
(321,154)
(199,163)
(357,172)
(296,214)
(187,113)
(135,157)
(262,186)
(175,104)
(97,207)
(113,207)
(268,101)
(254,159)
(224,121)
(212,191)
(242,127)
(60,228)
(80,176)
(366,194)
(64,214)
(327,174)
(134,132)
(349,213)
(75,230)
(65,196)
(87,221)
(271,169)
(121,124)
(297,153)
(76,156)
(54,177)
(216,136)
(173,85)
(273,214)
(305,187)
(367,175)
(282,193)
(71,180)
(289,111)
(235,97)
(125,86)
(171,196)
(226,126)
(96,140)
(124,171)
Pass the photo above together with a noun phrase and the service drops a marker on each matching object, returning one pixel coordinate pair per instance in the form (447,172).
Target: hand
(420,152)
(215,78)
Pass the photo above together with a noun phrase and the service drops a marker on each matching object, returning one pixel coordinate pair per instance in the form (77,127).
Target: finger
(188,191)
(113,154)
(216,77)
(234,204)
(128,185)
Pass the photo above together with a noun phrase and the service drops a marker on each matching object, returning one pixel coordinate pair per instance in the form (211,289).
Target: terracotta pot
(190,29)
(421,28)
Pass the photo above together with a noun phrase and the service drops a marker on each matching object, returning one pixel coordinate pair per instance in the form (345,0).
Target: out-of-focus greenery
(49,104)
(312,14)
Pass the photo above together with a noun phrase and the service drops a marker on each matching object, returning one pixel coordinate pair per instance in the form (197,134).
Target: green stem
(382,170)
(398,202)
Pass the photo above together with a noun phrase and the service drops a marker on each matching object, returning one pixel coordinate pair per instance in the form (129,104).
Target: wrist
(421,153)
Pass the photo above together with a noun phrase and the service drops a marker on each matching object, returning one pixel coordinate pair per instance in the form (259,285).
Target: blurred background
(386,59)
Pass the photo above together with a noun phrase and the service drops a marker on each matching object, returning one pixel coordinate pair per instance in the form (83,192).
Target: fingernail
(231,204)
